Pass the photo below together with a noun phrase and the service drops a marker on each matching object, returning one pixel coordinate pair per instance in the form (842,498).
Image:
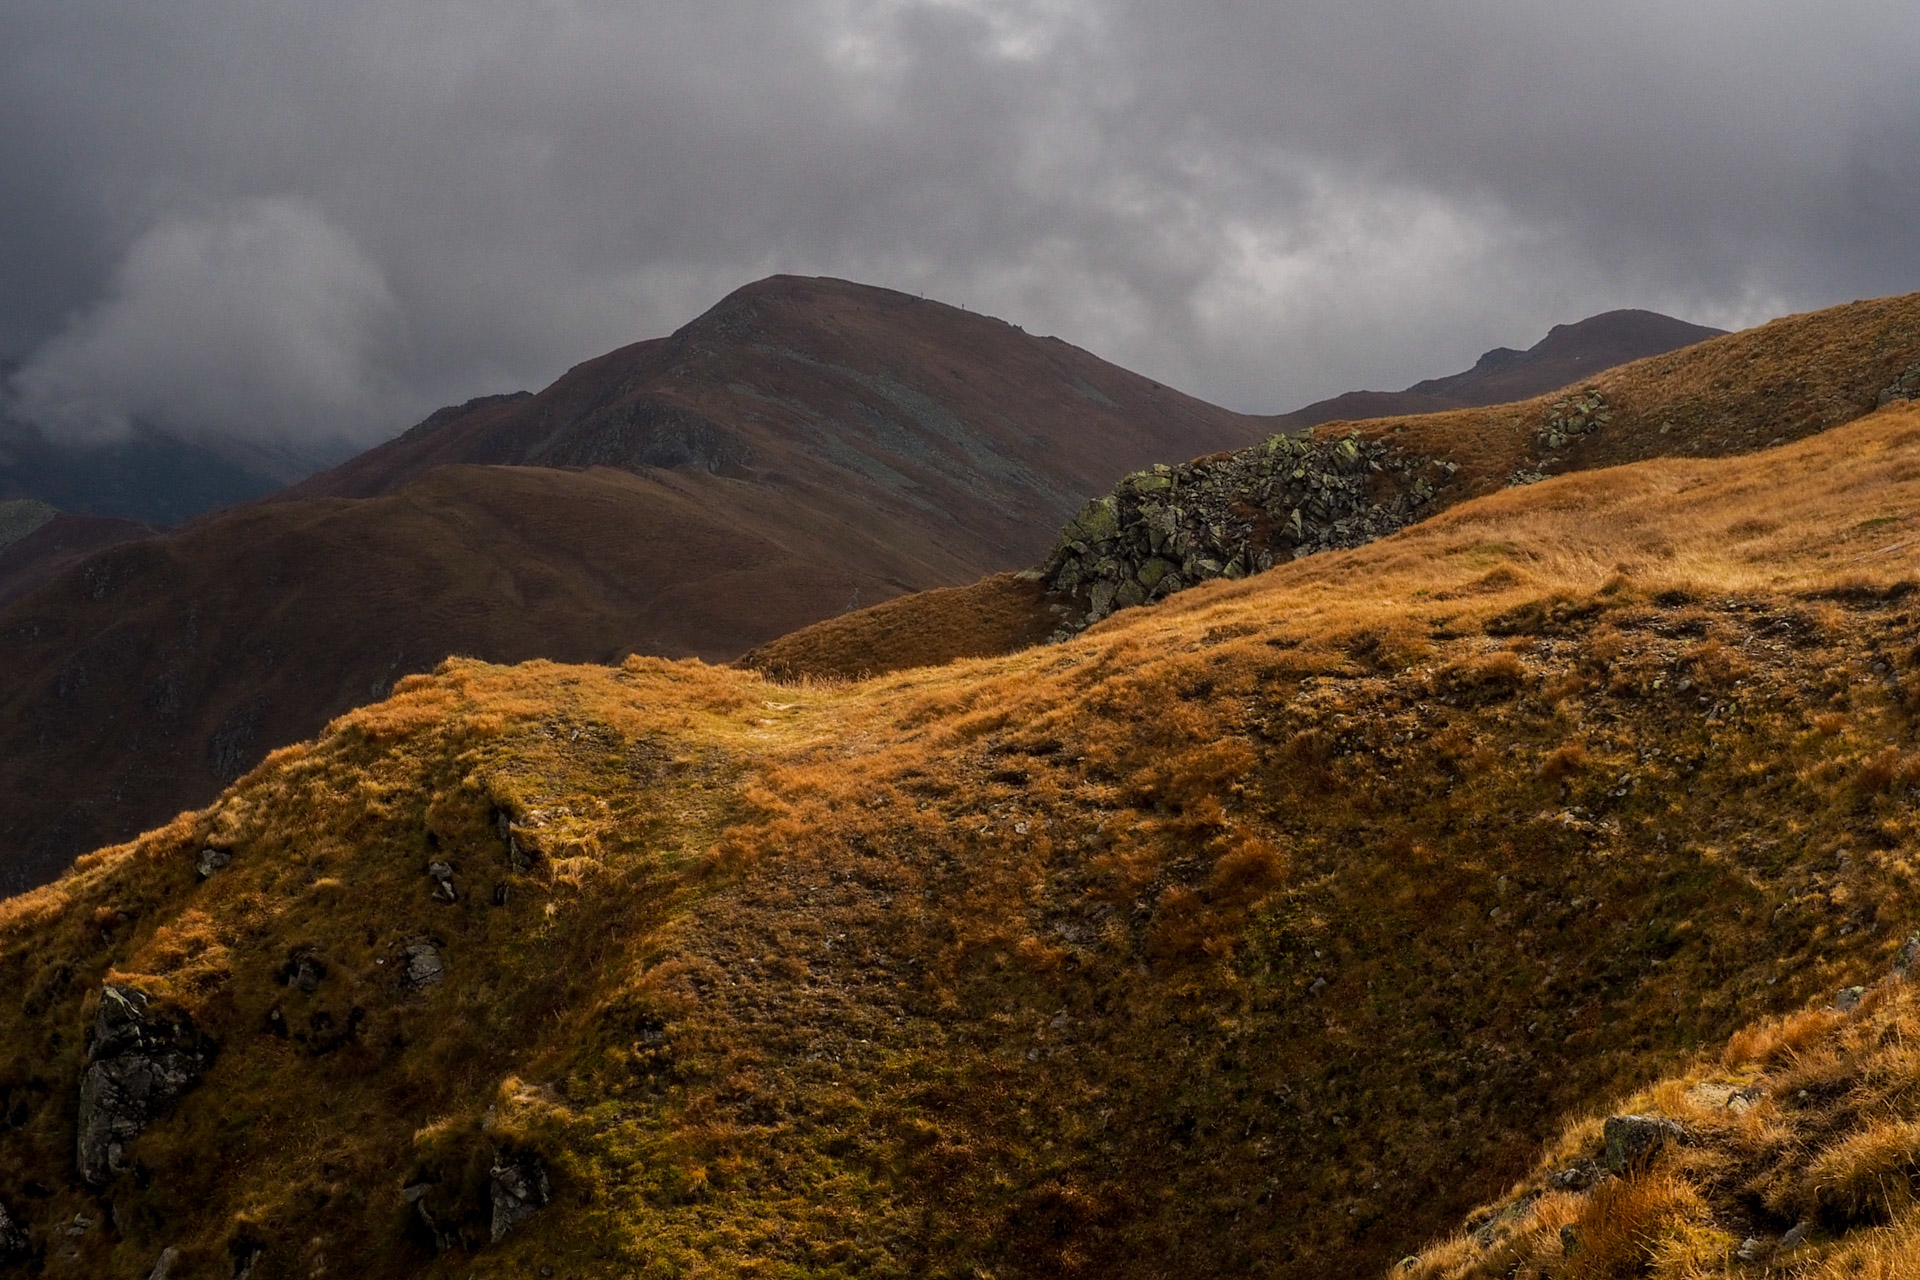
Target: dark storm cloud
(287,219)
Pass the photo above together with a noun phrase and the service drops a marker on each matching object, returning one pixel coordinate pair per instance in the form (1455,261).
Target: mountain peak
(1618,336)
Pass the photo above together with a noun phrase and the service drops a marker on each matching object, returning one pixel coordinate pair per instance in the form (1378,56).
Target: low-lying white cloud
(260,319)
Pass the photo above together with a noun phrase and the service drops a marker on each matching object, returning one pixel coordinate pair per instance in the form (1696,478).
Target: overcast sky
(285,218)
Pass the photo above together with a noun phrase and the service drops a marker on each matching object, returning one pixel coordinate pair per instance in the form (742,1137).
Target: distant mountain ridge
(1567,354)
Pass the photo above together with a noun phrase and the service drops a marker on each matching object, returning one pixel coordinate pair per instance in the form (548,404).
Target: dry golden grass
(998,614)
(1266,930)
(1869,1175)
(1809,1123)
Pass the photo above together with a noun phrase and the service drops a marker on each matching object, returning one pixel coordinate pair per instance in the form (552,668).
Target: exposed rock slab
(139,1062)
(521,1189)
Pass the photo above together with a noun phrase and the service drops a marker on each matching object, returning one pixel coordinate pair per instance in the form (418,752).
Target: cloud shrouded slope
(288,219)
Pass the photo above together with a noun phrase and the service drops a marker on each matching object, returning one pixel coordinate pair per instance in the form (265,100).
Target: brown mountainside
(1264,931)
(957,435)
(55,546)
(805,447)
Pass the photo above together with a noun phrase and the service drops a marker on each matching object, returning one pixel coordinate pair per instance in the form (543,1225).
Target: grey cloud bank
(260,317)
(294,220)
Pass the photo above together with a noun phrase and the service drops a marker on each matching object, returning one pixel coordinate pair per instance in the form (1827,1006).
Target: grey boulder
(421,966)
(1633,1141)
(521,1189)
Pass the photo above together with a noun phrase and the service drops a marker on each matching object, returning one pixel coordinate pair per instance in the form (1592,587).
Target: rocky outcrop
(1230,515)
(439,1213)
(1577,1176)
(1904,387)
(1909,957)
(521,1189)
(1633,1141)
(245,1253)
(459,1210)
(139,1061)
(304,970)
(1566,420)
(1574,416)
(519,856)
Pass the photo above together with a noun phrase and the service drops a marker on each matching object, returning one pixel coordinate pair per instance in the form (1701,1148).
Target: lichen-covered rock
(521,1189)
(1571,417)
(1909,957)
(1097,521)
(1231,514)
(1577,1176)
(303,971)
(421,966)
(1632,1141)
(139,1061)
(1904,387)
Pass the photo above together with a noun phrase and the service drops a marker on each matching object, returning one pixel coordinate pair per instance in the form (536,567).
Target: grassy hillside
(1266,930)
(154,673)
(1002,613)
(52,546)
